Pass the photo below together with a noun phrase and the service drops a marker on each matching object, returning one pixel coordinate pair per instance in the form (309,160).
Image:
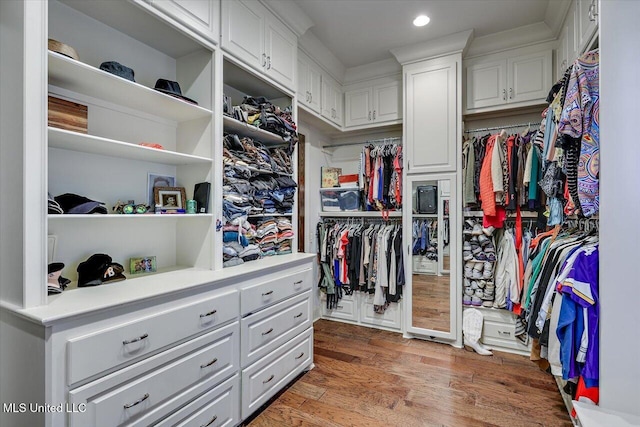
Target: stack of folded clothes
(238,242)
(267,235)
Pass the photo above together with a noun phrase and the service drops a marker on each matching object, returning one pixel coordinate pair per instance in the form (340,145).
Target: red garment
(586,394)
(487,196)
(397,164)
(517,308)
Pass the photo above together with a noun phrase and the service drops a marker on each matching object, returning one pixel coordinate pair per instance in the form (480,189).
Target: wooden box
(67,115)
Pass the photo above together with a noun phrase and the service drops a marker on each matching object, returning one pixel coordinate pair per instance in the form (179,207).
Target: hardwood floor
(431,302)
(370,378)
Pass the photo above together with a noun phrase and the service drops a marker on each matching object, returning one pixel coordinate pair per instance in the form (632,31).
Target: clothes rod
(372,141)
(535,125)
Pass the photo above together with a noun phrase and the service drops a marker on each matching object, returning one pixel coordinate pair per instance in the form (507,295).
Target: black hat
(118,69)
(56,285)
(98,269)
(75,204)
(172,88)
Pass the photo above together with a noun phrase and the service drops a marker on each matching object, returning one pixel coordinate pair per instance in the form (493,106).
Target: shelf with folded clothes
(246,130)
(267,215)
(510,214)
(68,140)
(83,78)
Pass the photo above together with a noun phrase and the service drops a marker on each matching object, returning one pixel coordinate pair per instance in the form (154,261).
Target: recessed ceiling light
(421,21)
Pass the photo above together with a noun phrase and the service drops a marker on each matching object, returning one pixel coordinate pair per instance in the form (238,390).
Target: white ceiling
(359,32)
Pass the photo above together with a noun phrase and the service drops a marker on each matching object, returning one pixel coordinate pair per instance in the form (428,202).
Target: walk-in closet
(318,213)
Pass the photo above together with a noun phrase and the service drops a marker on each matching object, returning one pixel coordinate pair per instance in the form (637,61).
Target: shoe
(468,227)
(487,304)
(478,294)
(481,257)
(488,231)
(474,285)
(475,248)
(466,246)
(472,321)
(467,255)
(477,230)
(487,271)
(466,300)
(490,257)
(476,301)
(469,292)
(481,283)
(483,240)
(467,283)
(477,275)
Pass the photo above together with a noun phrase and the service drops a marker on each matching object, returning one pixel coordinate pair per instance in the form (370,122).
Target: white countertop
(80,301)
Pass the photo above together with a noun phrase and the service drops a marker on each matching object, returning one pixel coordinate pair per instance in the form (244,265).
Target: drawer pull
(298,282)
(215,417)
(268,380)
(140,338)
(137,402)
(209,364)
(297,315)
(211,313)
(301,354)
(504,333)
(268,332)
(264,294)
(340,307)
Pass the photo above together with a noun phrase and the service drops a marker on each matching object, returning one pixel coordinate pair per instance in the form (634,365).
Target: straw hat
(63,49)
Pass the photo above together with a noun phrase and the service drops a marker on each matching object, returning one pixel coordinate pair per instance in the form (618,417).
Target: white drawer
(347,308)
(257,297)
(148,390)
(500,330)
(100,351)
(219,407)
(505,345)
(265,378)
(265,331)
(391,318)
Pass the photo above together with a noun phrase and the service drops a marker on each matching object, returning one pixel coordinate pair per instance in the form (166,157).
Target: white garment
(553,355)
(506,272)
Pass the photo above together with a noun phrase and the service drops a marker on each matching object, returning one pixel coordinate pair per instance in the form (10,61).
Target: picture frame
(143,265)
(158,180)
(170,198)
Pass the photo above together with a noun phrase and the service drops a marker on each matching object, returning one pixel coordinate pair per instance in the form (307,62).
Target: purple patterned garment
(580,119)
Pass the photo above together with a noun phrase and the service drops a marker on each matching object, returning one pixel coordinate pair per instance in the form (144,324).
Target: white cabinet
(358,308)
(586,22)
(380,103)
(567,50)
(517,80)
(432,116)
(202,16)
(309,83)
(255,36)
(331,100)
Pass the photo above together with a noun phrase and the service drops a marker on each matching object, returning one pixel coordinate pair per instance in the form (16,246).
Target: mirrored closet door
(430,230)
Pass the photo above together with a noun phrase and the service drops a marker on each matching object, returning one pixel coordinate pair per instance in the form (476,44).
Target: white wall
(620,201)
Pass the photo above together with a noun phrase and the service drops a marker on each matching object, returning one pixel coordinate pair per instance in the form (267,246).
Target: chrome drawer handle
(215,417)
(137,402)
(504,332)
(268,332)
(211,313)
(297,315)
(209,364)
(269,380)
(298,282)
(140,338)
(340,307)
(301,354)
(264,294)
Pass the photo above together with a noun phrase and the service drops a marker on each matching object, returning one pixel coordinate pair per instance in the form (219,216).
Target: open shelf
(435,215)
(82,78)
(232,125)
(124,217)
(67,140)
(270,215)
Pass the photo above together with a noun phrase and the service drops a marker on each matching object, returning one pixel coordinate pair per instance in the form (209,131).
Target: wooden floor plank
(367,377)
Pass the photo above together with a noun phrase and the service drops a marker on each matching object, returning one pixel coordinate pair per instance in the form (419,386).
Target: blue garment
(569,332)
(234,236)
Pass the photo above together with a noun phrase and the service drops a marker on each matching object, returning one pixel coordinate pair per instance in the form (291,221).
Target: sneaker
(487,271)
(476,301)
(478,293)
(467,283)
(481,283)
(477,230)
(467,255)
(488,231)
(476,275)
(483,240)
(466,300)
(487,304)
(468,227)
(490,257)
(469,291)
(466,246)
(481,257)
(474,285)
(475,249)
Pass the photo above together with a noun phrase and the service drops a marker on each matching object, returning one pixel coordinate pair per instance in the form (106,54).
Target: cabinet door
(586,22)
(199,15)
(303,93)
(315,87)
(431,115)
(338,101)
(486,84)
(358,107)
(243,31)
(281,47)
(387,102)
(529,77)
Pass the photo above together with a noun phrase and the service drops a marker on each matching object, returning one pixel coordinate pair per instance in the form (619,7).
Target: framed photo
(170,198)
(143,265)
(158,180)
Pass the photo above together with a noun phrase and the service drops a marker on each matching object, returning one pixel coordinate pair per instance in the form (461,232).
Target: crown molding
(510,39)
(315,49)
(291,14)
(555,15)
(386,67)
(453,43)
